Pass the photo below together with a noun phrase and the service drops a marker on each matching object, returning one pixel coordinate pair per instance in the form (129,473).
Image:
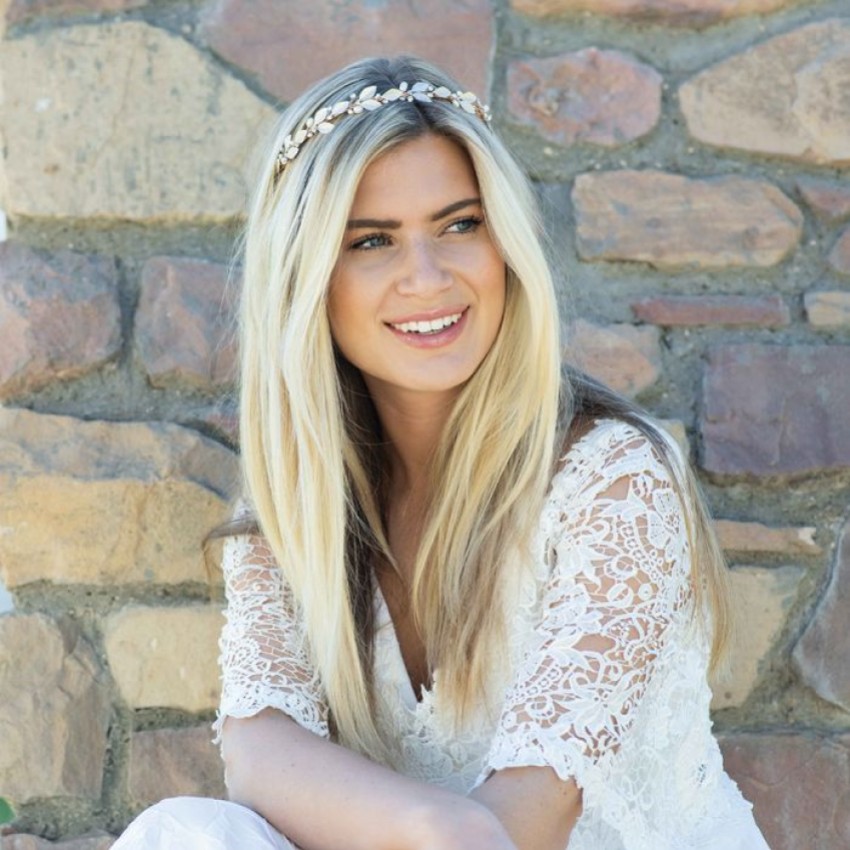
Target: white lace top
(606,679)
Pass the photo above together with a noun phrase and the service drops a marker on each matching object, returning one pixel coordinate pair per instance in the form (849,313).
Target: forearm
(537,809)
(325,797)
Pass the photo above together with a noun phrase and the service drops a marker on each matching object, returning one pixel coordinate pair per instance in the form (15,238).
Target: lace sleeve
(618,576)
(264,661)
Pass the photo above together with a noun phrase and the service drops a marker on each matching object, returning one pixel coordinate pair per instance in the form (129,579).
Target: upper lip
(428,315)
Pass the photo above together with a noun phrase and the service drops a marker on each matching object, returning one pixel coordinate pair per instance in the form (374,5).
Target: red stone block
(829,200)
(59,316)
(184,323)
(824,647)
(839,256)
(769,311)
(799,786)
(773,409)
(599,96)
(694,13)
(289,46)
(173,763)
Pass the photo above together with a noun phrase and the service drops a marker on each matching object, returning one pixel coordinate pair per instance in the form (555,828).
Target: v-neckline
(385,620)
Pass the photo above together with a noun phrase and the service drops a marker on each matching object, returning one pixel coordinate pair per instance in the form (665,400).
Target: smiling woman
(417,295)
(472,598)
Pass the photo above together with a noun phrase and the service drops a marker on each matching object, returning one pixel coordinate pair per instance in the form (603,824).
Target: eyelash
(361,243)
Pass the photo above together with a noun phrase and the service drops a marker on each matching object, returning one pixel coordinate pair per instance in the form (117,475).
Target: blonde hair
(314,471)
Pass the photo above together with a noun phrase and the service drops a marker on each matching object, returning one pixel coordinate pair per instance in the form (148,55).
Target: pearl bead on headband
(369,100)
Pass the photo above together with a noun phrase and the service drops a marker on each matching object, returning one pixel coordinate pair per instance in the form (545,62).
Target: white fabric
(606,679)
(195,823)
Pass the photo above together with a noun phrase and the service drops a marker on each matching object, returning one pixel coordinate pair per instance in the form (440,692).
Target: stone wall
(691,158)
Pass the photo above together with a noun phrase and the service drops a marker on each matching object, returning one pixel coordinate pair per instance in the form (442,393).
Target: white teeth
(428,327)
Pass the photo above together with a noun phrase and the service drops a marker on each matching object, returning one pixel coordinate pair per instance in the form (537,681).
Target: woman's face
(418,291)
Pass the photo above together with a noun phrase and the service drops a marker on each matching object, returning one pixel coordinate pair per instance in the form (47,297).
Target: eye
(468,224)
(370,242)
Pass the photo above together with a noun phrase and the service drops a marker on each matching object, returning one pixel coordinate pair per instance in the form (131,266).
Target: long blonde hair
(314,469)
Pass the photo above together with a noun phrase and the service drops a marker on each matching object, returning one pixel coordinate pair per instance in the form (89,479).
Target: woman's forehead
(429,171)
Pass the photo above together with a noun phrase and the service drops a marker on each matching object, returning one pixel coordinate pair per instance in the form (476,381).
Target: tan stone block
(827,309)
(626,358)
(603,97)
(172,763)
(680,12)
(289,46)
(168,142)
(675,428)
(671,222)
(761,599)
(787,96)
(165,657)
(755,537)
(105,502)
(54,711)
(839,256)
(820,655)
(23,11)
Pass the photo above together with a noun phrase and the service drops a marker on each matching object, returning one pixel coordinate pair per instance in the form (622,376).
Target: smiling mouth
(433,326)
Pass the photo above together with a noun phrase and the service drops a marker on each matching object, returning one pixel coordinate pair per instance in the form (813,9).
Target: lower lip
(433,340)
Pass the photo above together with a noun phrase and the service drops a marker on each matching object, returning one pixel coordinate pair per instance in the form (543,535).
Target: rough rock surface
(603,97)
(839,256)
(757,537)
(827,309)
(679,12)
(170,142)
(769,311)
(105,502)
(788,96)
(626,358)
(54,711)
(289,46)
(761,599)
(799,786)
(173,763)
(165,657)
(771,409)
(670,221)
(829,200)
(21,11)
(59,316)
(185,331)
(90,841)
(821,653)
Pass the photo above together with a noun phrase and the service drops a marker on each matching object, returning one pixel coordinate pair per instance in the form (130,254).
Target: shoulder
(603,448)
(609,460)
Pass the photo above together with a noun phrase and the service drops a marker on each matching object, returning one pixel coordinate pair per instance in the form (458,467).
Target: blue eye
(369,243)
(465,225)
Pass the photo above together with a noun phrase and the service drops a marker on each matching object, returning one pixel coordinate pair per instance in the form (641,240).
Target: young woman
(473,601)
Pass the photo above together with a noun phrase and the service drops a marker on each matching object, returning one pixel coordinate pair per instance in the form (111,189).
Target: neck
(412,424)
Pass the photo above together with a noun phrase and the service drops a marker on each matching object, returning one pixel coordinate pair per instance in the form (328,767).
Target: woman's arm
(325,797)
(537,809)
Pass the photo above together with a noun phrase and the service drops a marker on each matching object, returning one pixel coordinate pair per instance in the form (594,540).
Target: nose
(425,271)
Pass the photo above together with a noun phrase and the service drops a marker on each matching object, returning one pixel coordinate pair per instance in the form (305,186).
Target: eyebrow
(393,224)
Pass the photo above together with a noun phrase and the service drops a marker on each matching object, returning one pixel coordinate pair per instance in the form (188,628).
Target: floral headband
(369,100)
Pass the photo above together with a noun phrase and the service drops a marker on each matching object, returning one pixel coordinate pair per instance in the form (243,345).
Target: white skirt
(198,823)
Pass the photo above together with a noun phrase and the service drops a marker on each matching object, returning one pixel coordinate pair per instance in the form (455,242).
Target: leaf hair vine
(368,100)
